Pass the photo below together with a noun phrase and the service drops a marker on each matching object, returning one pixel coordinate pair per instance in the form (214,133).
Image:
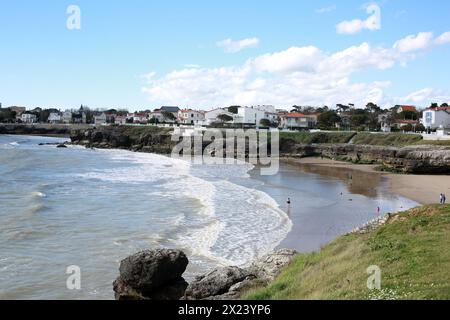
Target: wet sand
(424,189)
(328,200)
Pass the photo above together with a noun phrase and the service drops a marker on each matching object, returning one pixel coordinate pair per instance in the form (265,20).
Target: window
(429,117)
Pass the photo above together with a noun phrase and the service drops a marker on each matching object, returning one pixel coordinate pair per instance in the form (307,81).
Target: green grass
(317,137)
(387,139)
(412,251)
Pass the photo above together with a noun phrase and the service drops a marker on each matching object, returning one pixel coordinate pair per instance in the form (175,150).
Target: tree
(373,108)
(407,128)
(342,108)
(265,123)
(233,109)
(359,118)
(153,120)
(43,115)
(328,119)
(444,105)
(7,116)
(420,128)
(225,118)
(169,116)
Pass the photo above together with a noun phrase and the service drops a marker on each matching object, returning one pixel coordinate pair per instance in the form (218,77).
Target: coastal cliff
(417,159)
(420,159)
(57,130)
(411,159)
(143,139)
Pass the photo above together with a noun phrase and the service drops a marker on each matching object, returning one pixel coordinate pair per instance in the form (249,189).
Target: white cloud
(231,46)
(443,38)
(426,96)
(421,41)
(326,9)
(297,75)
(372,23)
(411,43)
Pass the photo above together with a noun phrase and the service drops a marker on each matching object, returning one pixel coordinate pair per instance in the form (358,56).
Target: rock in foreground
(152,275)
(157,275)
(230,282)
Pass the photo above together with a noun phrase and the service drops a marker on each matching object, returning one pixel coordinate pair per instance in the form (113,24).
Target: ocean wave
(233,224)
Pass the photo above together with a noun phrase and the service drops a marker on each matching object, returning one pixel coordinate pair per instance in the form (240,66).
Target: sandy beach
(424,189)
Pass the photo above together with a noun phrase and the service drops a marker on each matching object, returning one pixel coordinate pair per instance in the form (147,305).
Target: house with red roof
(296,120)
(401,109)
(437,117)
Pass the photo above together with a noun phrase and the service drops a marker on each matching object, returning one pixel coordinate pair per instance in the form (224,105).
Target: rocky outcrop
(217,282)
(230,282)
(411,159)
(59,130)
(145,139)
(152,275)
(268,267)
(157,275)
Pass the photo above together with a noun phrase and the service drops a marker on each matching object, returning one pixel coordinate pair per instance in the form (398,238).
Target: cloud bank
(298,75)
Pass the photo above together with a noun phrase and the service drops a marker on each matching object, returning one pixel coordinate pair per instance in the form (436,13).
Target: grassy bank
(412,251)
(390,139)
(317,137)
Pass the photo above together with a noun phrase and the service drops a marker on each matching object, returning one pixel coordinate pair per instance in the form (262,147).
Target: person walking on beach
(444,199)
(441,198)
(378,211)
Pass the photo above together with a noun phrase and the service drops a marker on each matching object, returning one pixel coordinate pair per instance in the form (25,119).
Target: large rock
(216,283)
(152,274)
(268,267)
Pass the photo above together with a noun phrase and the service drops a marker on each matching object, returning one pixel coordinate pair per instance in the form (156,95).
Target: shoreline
(424,189)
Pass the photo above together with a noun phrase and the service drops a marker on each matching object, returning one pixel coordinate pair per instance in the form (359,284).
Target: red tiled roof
(409,108)
(440,109)
(294,115)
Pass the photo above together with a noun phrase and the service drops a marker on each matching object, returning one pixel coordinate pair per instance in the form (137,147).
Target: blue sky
(142,54)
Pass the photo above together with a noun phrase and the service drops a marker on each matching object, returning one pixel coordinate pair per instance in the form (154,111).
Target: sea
(90,208)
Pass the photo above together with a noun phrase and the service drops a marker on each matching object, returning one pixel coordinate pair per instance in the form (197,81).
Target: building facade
(189,116)
(435,118)
(295,120)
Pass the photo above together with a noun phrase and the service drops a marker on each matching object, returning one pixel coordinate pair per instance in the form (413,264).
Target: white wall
(435,118)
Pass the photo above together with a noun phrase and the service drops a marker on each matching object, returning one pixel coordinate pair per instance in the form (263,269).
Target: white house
(100,119)
(253,115)
(189,116)
(120,120)
(212,115)
(157,115)
(138,117)
(295,120)
(67,117)
(434,118)
(54,117)
(28,118)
